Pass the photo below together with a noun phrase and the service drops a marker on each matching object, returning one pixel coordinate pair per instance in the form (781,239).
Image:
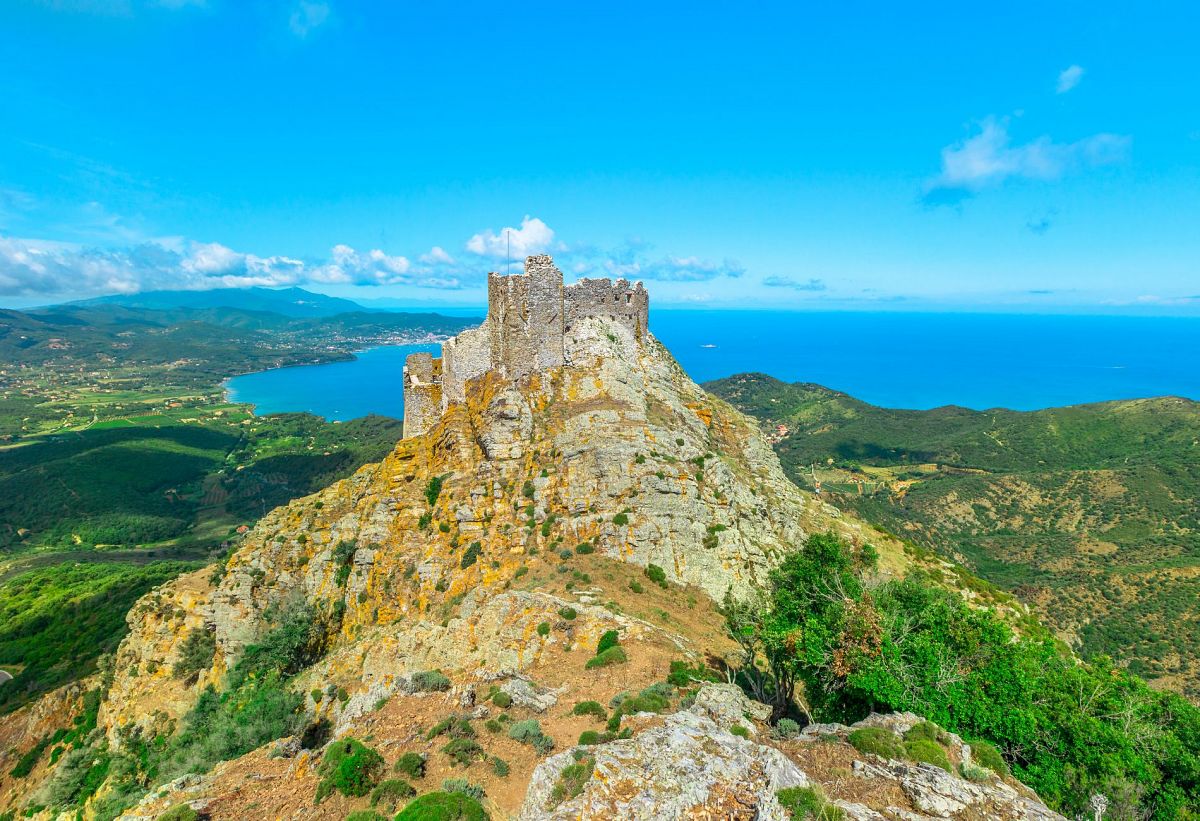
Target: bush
(572,779)
(925,731)
(682,675)
(365,815)
(502,699)
(807,802)
(740,731)
(391,792)
(584,548)
(786,728)
(195,654)
(470,555)
(430,681)
(613,655)
(433,489)
(610,638)
(589,737)
(180,812)
(636,586)
(876,741)
(463,787)
(543,629)
(463,751)
(27,762)
(985,754)
(350,767)
(656,574)
(620,519)
(500,766)
(568,613)
(590,708)
(927,752)
(443,806)
(411,764)
(530,732)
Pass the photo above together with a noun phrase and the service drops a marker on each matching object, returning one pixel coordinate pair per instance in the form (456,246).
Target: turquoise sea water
(903,360)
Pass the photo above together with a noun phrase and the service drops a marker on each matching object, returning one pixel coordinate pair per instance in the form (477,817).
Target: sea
(897,360)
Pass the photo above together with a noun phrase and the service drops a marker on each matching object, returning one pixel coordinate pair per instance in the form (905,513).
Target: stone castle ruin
(528,317)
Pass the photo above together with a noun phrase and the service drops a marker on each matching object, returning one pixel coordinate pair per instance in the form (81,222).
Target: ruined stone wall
(524,332)
(619,301)
(525,318)
(422,393)
(465,357)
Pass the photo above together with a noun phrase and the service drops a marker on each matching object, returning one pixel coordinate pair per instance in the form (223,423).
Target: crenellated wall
(524,332)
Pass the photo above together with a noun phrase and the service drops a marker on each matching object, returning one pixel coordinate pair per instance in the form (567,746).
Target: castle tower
(524,332)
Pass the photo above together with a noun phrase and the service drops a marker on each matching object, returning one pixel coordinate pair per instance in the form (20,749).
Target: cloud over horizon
(32,267)
(989,158)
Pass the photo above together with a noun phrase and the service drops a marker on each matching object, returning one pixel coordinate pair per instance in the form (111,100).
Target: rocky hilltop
(542,563)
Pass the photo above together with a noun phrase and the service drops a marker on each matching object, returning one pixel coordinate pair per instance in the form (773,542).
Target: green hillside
(1090,513)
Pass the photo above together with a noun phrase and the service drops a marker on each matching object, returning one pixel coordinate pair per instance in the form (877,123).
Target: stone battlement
(528,317)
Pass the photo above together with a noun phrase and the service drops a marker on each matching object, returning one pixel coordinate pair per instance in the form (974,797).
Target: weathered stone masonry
(525,330)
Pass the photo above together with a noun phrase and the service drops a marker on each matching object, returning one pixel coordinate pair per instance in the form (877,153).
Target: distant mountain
(295,302)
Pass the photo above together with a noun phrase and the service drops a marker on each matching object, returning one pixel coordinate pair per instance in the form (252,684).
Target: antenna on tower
(508,252)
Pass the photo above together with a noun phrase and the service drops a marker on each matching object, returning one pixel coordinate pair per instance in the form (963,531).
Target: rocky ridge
(616,463)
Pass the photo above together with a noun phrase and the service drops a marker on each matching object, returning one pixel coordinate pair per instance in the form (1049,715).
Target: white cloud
(308,16)
(533,237)
(35,267)
(989,158)
(437,256)
(794,284)
(689,269)
(1068,78)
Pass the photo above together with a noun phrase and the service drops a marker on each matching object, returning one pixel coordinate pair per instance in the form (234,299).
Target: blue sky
(1029,157)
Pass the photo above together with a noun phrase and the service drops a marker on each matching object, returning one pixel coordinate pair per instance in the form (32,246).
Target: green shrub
(590,708)
(493,726)
(365,815)
(656,574)
(682,674)
(500,766)
(463,751)
(621,519)
(610,638)
(429,681)
(350,767)
(180,812)
(808,802)
(530,732)
(443,806)
(927,752)
(463,787)
(502,699)
(588,737)
(195,654)
(27,762)
(636,586)
(613,655)
(572,779)
(876,741)
(411,764)
(740,731)
(786,728)
(568,613)
(470,555)
(985,754)
(543,629)
(527,489)
(433,489)
(925,731)
(391,792)
(585,548)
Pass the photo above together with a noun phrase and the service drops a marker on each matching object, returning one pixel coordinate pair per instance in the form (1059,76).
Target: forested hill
(1090,513)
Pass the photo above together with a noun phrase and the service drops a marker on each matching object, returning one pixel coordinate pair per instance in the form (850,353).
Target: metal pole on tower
(508,252)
